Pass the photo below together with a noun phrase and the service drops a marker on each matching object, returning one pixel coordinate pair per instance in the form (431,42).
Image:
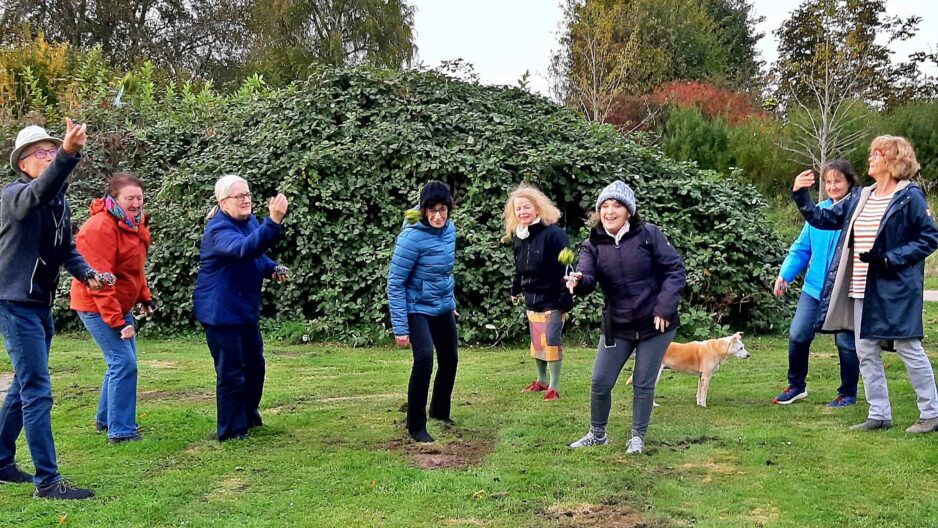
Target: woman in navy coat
(875,281)
(227,298)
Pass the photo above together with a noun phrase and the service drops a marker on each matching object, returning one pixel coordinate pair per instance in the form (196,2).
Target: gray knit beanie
(620,192)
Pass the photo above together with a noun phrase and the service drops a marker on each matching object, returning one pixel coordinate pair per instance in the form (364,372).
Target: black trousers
(238,352)
(427,332)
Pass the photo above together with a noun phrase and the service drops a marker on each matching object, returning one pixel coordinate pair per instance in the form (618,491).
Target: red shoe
(536,386)
(551,395)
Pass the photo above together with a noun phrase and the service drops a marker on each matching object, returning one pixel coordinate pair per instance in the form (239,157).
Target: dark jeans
(427,332)
(801,334)
(609,362)
(27,334)
(238,352)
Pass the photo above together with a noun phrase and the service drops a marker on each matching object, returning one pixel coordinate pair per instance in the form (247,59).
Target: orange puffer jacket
(109,244)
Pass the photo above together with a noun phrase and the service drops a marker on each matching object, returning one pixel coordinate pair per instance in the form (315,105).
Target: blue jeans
(117,403)
(238,352)
(801,334)
(27,334)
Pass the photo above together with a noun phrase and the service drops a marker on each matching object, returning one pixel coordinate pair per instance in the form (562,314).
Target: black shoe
(240,436)
(447,422)
(422,436)
(123,439)
(14,475)
(62,490)
(100,428)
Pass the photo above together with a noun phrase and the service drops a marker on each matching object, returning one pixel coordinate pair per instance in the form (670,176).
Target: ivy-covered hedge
(351,149)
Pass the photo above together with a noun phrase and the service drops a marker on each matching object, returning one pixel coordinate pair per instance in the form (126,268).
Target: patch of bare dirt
(158,364)
(226,489)
(606,516)
(684,443)
(6,378)
(459,454)
(181,395)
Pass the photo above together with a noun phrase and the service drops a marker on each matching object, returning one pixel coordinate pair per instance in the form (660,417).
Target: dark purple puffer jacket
(641,277)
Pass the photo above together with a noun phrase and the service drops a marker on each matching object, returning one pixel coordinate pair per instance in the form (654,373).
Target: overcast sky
(503,38)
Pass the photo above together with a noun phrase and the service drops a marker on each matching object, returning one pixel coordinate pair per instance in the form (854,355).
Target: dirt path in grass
(5,379)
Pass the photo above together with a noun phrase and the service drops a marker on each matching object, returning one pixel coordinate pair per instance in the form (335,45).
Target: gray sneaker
(590,440)
(871,424)
(635,446)
(923,426)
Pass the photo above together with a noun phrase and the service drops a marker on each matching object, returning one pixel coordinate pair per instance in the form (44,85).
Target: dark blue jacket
(232,267)
(892,300)
(539,276)
(36,235)
(641,277)
(420,278)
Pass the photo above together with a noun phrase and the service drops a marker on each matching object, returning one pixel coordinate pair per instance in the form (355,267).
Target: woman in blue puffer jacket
(423,309)
(814,249)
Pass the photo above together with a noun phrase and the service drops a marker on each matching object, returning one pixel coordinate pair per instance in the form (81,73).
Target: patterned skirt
(546,331)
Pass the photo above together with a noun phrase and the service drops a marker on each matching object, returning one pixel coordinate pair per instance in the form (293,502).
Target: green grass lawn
(333,451)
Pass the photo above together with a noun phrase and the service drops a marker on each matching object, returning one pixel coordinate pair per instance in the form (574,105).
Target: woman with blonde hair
(531,225)
(875,281)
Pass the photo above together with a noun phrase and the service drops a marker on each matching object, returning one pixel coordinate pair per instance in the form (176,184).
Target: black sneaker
(14,475)
(123,439)
(100,427)
(422,437)
(62,490)
(238,436)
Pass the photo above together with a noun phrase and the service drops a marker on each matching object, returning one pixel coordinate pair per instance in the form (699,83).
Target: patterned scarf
(111,205)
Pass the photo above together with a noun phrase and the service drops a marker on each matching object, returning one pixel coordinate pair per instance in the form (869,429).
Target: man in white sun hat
(35,241)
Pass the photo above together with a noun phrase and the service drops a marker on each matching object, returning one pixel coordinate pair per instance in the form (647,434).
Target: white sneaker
(590,440)
(634,446)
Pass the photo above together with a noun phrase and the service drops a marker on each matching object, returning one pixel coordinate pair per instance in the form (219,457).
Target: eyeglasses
(876,154)
(441,211)
(244,197)
(42,153)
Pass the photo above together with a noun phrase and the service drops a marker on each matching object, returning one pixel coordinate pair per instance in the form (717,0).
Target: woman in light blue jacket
(814,248)
(423,310)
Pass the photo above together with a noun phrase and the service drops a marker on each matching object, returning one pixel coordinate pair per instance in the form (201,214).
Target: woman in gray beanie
(641,276)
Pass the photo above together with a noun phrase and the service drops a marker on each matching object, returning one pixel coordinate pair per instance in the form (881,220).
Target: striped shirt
(864,233)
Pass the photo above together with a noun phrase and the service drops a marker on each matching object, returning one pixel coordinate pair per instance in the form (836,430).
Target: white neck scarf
(618,236)
(523,232)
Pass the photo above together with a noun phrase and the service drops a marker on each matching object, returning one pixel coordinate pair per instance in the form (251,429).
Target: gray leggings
(606,369)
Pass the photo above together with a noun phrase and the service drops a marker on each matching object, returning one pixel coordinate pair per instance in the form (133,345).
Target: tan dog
(702,359)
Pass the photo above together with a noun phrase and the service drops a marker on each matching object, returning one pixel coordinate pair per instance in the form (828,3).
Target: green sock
(541,370)
(554,367)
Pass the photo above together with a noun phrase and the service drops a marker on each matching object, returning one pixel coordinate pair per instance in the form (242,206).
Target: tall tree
(288,36)
(610,48)
(847,39)
(196,35)
(834,63)
(224,40)
(592,66)
(737,33)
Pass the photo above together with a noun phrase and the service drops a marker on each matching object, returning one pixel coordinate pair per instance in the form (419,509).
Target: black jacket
(641,277)
(36,235)
(538,274)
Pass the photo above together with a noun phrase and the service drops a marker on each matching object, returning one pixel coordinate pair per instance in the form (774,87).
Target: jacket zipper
(32,278)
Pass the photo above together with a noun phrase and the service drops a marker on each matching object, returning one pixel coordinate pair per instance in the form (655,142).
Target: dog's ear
(736,337)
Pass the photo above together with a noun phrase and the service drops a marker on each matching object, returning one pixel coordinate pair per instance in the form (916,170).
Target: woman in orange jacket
(115,239)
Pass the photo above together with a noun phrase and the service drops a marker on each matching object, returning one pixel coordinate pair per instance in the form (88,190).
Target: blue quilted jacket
(420,279)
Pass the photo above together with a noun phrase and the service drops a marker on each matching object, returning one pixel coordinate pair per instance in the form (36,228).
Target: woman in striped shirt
(875,281)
